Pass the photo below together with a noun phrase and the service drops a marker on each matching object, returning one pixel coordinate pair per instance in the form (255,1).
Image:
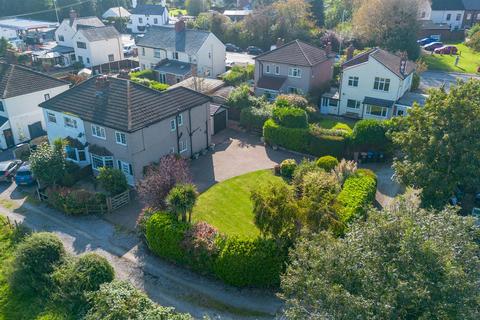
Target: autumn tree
(391,24)
(401,263)
(440,144)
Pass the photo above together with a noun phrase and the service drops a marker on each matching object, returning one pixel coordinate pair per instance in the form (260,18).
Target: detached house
(176,53)
(21,91)
(472,13)
(374,84)
(444,12)
(144,16)
(112,122)
(295,67)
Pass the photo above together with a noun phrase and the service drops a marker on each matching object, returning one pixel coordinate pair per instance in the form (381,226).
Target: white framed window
(353,104)
(163,78)
(125,167)
(173,125)
(449,16)
(180,120)
(61,38)
(459,16)
(69,122)
(469,16)
(267,68)
(277,70)
(46,96)
(143,51)
(294,90)
(51,117)
(140,20)
(183,146)
(98,132)
(353,81)
(294,72)
(156,53)
(377,111)
(155,20)
(478,16)
(381,84)
(175,55)
(111,58)
(121,138)
(75,155)
(100,162)
(81,45)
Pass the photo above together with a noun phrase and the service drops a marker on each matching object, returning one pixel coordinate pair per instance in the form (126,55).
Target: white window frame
(51,117)
(112,56)
(180,120)
(267,68)
(121,138)
(122,165)
(69,122)
(383,84)
(173,125)
(353,81)
(183,146)
(99,132)
(157,53)
(458,17)
(155,20)
(384,111)
(102,159)
(140,20)
(277,70)
(162,78)
(294,72)
(469,16)
(174,55)
(143,51)
(77,155)
(357,104)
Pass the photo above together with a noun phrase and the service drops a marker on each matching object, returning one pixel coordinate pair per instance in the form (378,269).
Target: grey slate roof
(128,106)
(410,97)
(62,49)
(295,53)
(379,102)
(83,22)
(389,60)
(271,82)
(174,67)
(471,4)
(17,80)
(162,37)
(150,9)
(447,5)
(101,33)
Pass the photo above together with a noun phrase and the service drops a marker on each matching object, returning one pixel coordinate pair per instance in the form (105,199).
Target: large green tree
(440,144)
(401,263)
(48,162)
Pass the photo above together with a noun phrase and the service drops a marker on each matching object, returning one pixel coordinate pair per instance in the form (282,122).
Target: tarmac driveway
(437,79)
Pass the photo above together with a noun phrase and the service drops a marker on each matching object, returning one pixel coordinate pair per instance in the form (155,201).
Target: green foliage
(291,100)
(256,263)
(48,162)
(165,235)
(385,266)
(241,98)
(181,200)
(439,144)
(4,45)
(75,201)
(195,7)
(415,81)
(35,260)
(357,194)
(144,74)
(290,117)
(152,84)
(327,163)
(112,180)
(474,30)
(287,167)
(474,42)
(76,279)
(253,118)
(201,245)
(370,134)
(239,74)
(301,170)
(119,300)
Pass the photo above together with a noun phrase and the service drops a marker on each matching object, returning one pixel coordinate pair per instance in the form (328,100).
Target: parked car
(446,50)
(432,46)
(254,50)
(129,50)
(8,169)
(232,48)
(24,175)
(426,40)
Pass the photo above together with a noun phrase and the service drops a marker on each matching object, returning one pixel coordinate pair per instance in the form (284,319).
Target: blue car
(24,175)
(425,41)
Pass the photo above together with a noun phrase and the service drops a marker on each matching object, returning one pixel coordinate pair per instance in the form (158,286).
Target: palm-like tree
(181,200)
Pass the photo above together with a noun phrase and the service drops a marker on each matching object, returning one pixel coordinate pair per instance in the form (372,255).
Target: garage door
(219,121)
(35,130)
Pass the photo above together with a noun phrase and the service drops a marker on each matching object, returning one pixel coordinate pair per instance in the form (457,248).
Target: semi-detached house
(111,122)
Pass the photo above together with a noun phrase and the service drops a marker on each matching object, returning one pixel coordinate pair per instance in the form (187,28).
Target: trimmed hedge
(305,140)
(253,118)
(357,193)
(370,134)
(291,100)
(290,117)
(74,201)
(287,167)
(327,163)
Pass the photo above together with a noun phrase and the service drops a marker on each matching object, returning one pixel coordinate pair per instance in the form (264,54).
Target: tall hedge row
(255,263)
(357,193)
(305,140)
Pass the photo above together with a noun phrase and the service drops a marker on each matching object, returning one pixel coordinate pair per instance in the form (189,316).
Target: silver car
(8,169)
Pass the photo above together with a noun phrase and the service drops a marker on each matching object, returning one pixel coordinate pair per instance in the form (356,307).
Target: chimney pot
(280,42)
(179,25)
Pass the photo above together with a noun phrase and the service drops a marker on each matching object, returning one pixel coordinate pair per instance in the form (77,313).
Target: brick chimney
(102,86)
(73,15)
(403,62)
(350,51)
(179,26)
(280,42)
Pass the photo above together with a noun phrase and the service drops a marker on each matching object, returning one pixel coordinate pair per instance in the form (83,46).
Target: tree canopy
(48,162)
(401,263)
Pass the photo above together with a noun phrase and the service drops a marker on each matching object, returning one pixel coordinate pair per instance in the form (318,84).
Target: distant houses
(144,16)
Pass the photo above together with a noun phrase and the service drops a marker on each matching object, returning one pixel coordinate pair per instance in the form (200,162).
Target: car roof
(4,164)
(25,167)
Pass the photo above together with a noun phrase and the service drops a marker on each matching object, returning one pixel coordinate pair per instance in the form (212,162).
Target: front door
(324,105)
(9,138)
(127,170)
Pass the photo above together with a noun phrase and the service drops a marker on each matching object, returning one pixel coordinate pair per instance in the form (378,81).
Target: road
(165,283)
(436,79)
(240,58)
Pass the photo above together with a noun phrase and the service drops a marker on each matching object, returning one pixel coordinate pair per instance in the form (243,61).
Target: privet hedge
(253,118)
(357,193)
(290,117)
(256,263)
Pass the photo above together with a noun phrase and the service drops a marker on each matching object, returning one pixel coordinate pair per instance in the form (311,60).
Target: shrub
(48,162)
(240,97)
(250,262)
(357,193)
(238,75)
(327,163)
(290,117)
(322,144)
(301,170)
(370,134)
(119,300)
(145,74)
(112,180)
(143,218)
(287,167)
(181,200)
(473,30)
(253,118)
(158,86)
(344,170)
(291,100)
(474,42)
(75,279)
(35,261)
(201,247)
(415,81)
(165,236)
(74,201)
(72,174)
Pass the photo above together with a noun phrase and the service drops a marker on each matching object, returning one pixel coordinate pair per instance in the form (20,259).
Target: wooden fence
(115,66)
(118,201)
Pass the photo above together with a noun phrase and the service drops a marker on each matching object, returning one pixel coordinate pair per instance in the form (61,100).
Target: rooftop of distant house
(296,53)
(148,9)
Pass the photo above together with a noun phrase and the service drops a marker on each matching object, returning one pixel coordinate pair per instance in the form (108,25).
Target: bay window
(376,111)
(101,161)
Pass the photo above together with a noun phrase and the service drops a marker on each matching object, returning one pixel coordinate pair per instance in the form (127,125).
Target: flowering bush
(201,244)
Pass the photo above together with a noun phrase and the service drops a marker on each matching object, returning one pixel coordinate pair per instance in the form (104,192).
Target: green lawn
(335,123)
(469,60)
(227,205)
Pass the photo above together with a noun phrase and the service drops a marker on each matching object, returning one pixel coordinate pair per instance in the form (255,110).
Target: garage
(219,115)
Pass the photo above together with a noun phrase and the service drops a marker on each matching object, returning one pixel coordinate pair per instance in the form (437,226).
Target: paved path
(165,283)
(436,79)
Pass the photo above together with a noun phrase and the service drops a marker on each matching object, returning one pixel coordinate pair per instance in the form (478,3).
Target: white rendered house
(147,15)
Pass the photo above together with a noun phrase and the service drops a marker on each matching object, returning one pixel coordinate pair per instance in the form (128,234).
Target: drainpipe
(177,131)
(190,133)
(206,124)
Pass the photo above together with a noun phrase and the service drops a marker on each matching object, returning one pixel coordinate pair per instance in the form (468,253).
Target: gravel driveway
(436,79)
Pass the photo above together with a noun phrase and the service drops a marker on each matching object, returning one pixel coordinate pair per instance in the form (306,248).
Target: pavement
(240,58)
(437,79)
(387,187)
